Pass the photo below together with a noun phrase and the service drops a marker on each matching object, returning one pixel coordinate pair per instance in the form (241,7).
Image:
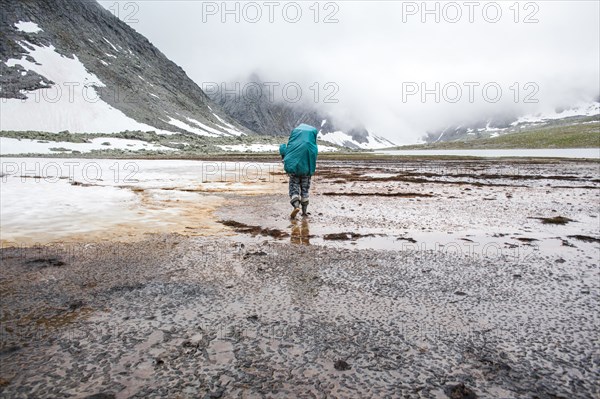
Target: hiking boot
(294,213)
(296,205)
(304,209)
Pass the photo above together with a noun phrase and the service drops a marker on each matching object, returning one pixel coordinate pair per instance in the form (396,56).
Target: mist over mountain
(372,54)
(256,110)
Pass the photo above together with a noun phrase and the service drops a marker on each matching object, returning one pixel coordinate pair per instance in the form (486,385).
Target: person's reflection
(300,232)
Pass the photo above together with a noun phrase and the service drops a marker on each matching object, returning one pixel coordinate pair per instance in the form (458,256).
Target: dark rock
(460,391)
(76,305)
(585,238)
(341,365)
(8,350)
(215,395)
(253,317)
(556,220)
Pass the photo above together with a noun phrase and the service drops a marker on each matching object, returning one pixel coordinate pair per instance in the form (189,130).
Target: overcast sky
(380,55)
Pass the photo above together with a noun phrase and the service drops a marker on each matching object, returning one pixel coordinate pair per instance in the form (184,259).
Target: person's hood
(282,150)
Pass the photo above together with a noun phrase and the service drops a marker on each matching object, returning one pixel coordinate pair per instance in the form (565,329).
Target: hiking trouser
(299,186)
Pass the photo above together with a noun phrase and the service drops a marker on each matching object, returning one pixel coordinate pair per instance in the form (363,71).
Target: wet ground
(422,278)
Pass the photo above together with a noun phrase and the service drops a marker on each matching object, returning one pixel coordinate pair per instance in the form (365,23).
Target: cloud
(380,52)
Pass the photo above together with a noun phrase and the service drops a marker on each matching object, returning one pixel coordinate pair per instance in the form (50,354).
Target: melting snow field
(51,199)
(27,146)
(14,146)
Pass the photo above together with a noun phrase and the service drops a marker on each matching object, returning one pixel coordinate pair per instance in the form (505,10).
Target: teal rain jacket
(300,154)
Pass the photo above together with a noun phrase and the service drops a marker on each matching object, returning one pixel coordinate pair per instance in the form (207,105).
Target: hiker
(300,161)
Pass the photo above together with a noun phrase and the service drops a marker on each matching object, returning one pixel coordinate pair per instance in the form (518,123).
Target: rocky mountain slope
(72,65)
(255,110)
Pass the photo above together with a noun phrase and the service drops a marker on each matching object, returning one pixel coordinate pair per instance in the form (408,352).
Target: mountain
(254,108)
(500,125)
(72,65)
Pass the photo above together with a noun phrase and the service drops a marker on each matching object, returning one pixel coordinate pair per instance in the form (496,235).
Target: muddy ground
(410,279)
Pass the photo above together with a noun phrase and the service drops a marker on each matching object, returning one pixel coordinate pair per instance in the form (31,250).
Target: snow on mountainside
(371,142)
(79,110)
(494,127)
(72,65)
(581,109)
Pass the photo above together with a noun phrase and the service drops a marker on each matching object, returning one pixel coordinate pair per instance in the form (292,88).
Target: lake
(579,153)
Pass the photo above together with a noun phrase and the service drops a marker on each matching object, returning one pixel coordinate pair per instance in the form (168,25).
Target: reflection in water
(300,232)
(303,278)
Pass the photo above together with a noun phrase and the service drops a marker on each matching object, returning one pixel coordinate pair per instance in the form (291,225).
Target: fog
(370,61)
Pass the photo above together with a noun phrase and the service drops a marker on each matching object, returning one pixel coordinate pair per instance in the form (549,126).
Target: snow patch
(221,120)
(189,128)
(488,128)
(228,127)
(215,131)
(112,45)
(250,147)
(28,27)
